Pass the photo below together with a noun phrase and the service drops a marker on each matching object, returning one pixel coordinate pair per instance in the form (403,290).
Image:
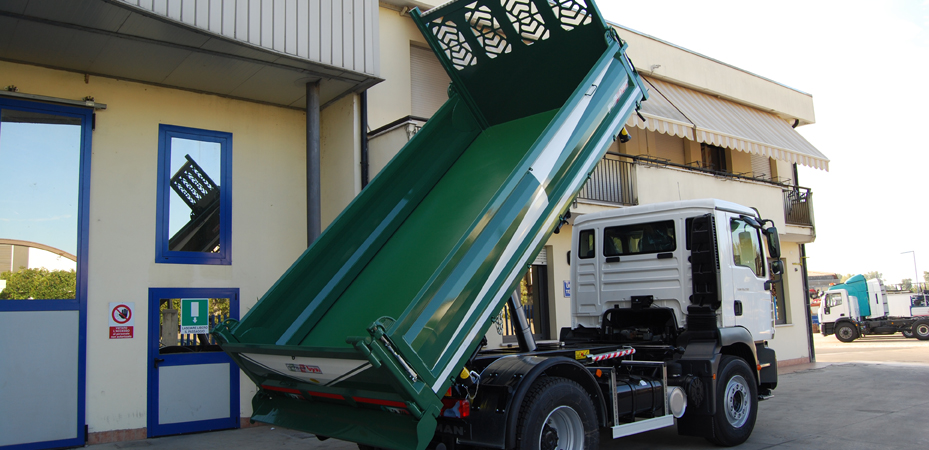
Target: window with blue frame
(194,217)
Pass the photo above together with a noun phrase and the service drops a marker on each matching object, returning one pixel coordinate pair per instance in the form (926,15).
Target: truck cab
(836,306)
(646,252)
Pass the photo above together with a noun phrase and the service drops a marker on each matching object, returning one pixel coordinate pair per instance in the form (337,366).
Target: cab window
(586,244)
(746,246)
(833,299)
(640,238)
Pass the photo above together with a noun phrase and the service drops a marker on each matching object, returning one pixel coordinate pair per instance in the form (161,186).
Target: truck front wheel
(845,332)
(557,414)
(736,402)
(921,329)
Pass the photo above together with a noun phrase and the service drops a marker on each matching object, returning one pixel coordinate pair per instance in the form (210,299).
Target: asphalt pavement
(860,395)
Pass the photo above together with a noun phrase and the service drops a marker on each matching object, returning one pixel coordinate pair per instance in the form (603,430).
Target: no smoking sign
(121,320)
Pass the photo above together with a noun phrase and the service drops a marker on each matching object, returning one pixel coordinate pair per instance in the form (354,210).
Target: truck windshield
(652,237)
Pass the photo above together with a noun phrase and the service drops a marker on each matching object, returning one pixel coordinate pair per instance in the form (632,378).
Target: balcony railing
(798,206)
(613,182)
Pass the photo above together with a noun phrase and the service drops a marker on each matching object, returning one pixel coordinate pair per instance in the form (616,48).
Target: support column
(313,209)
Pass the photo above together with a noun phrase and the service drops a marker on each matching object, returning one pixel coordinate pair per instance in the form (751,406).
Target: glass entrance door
(45,181)
(193,386)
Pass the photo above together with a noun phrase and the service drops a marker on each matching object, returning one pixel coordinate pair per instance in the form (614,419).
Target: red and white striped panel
(611,355)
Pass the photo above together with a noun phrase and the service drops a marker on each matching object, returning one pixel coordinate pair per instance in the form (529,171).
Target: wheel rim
(845,332)
(738,401)
(922,329)
(563,429)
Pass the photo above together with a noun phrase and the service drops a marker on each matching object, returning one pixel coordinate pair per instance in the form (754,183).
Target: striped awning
(678,111)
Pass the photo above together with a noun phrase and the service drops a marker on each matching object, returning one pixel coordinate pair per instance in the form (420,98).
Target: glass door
(193,386)
(45,182)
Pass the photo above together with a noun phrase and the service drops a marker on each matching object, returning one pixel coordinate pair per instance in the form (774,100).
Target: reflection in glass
(40,181)
(194,219)
(174,341)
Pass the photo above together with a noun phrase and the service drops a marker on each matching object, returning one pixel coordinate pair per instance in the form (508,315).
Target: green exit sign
(195,316)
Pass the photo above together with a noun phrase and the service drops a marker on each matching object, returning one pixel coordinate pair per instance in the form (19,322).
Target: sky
(39,163)
(866,64)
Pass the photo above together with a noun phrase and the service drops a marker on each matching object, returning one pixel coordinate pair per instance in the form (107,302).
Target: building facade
(194,148)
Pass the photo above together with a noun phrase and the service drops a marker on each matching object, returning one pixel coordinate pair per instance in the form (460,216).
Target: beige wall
(340,157)
(392,98)
(698,72)
(268,211)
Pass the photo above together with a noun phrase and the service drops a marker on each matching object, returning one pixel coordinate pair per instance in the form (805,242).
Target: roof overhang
(114,39)
(678,111)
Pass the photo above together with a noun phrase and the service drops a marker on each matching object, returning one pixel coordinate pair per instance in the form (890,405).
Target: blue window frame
(194,219)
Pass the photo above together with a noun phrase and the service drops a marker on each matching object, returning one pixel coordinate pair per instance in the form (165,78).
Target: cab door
(753,306)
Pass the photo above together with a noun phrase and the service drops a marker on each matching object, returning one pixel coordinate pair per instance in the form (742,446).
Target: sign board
(195,316)
(121,320)
(567,289)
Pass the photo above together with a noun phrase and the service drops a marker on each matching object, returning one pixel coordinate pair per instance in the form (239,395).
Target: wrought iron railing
(613,181)
(798,206)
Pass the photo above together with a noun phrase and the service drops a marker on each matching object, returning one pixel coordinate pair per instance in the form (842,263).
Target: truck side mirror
(777,267)
(774,242)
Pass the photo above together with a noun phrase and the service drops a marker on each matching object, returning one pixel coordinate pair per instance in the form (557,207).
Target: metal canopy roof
(109,38)
(678,111)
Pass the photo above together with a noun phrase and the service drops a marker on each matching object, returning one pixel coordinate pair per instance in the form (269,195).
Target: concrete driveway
(872,402)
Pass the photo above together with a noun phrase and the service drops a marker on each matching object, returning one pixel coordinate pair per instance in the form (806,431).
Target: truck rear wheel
(736,402)
(557,414)
(921,329)
(845,332)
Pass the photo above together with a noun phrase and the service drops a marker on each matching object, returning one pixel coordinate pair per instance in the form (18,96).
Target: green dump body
(362,336)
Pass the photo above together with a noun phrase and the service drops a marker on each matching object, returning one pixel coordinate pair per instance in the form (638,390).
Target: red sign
(121,321)
(121,332)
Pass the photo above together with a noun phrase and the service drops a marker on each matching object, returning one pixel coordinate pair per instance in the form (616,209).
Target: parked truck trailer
(375,334)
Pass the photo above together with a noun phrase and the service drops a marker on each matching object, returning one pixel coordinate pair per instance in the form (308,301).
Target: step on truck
(374,335)
(859,307)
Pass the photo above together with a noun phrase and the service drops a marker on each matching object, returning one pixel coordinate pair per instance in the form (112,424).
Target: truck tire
(736,402)
(845,332)
(921,329)
(557,413)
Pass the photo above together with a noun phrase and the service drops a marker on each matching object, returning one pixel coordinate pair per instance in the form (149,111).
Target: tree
(926,276)
(906,284)
(39,284)
(874,275)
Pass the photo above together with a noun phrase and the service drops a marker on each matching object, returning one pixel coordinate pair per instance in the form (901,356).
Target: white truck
(860,307)
(686,285)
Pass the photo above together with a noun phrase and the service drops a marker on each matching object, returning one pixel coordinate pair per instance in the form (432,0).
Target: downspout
(806,287)
(364,139)
(313,209)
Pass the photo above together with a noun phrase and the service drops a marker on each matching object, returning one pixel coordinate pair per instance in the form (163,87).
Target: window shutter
(761,166)
(429,82)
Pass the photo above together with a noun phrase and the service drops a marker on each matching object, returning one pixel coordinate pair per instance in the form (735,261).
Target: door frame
(154,428)
(79,303)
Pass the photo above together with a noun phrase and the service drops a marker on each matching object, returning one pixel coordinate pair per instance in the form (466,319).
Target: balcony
(798,206)
(634,180)
(613,182)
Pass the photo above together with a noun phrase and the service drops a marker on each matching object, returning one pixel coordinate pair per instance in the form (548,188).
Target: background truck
(374,334)
(859,307)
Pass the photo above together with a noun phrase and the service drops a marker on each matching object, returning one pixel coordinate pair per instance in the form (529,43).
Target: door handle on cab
(738,307)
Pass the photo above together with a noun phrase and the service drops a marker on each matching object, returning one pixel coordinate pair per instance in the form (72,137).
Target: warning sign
(195,316)
(121,320)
